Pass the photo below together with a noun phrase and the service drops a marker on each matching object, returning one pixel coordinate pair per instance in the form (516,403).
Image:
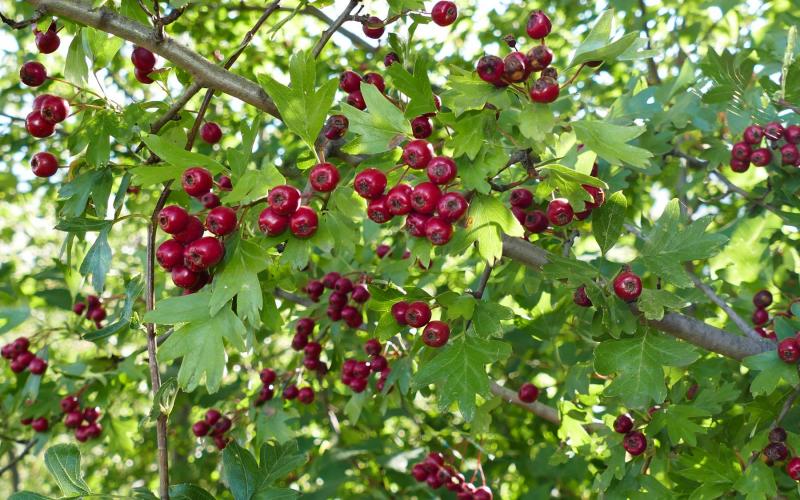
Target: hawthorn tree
(411,249)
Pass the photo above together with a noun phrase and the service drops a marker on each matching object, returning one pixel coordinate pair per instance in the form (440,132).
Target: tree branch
(13,461)
(334,27)
(17,25)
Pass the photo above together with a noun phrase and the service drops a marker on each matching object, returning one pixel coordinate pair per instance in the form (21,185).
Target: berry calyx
(560,212)
(44,164)
(539,25)
(324,177)
(528,393)
(196,181)
(33,73)
(418,314)
(211,133)
(221,221)
(789,350)
(444,13)
(272,223)
(634,443)
(284,200)
(173,219)
(370,183)
(628,286)
(304,222)
(623,424)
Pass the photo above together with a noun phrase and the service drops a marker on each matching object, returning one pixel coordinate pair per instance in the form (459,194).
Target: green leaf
(609,141)
(103,46)
(278,460)
(569,184)
(98,260)
(667,246)
(597,46)
(487,220)
(200,344)
(77,192)
(180,309)
(253,184)
(638,364)
(178,157)
(487,318)
(607,221)
(459,371)
(653,302)
(12,317)
(416,87)
(745,255)
(757,482)
(677,419)
(771,371)
(189,492)
(303,108)
(536,121)
(471,130)
(241,471)
(76,70)
(467,92)
(132,292)
(382,126)
(239,276)
(64,463)
(81,224)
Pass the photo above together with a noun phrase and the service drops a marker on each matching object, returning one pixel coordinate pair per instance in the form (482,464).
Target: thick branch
(203,71)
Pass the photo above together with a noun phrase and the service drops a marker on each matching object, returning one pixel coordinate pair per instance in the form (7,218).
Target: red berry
(425,197)
(73,419)
(37,366)
(377,80)
(441,170)
(360,294)
(220,442)
(789,154)
(349,81)
(204,252)
(399,310)
(539,25)
(299,341)
(515,67)
(421,127)
(221,221)
(383,250)
(143,59)
(200,428)
(370,183)
(173,219)
(415,224)
(438,231)
(265,394)
(37,101)
(753,135)
(452,206)
(483,493)
(356,99)
(224,183)
(418,314)
(305,326)
(222,426)
(623,424)
(38,126)
(268,376)
(210,133)
(69,403)
(762,299)
(528,393)
(193,231)
(20,345)
(40,424)
(290,392)
(358,385)
(777,435)
(378,363)
(521,198)
(491,70)
(418,153)
(306,395)
(634,443)
(741,151)
(79,307)
(196,181)
(539,58)
(792,134)
(33,73)
(313,350)
(444,13)
(420,472)
(398,201)
(336,127)
(378,210)
(330,279)
(761,157)
(559,212)
(183,277)
(48,42)
(793,468)
(627,286)
(272,223)
(760,317)
(44,164)
(372,347)
(739,165)
(143,76)
(535,221)
(352,316)
(580,298)
(324,177)
(773,131)
(210,200)
(22,361)
(390,59)
(212,417)
(789,350)
(96,314)
(776,452)
(284,200)
(54,109)
(373,27)
(304,222)
(544,90)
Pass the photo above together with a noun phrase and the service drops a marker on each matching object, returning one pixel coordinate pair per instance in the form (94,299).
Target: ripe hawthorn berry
(580,298)
(284,199)
(739,166)
(211,133)
(521,198)
(360,294)
(304,222)
(559,212)
(539,25)
(777,435)
(418,314)
(210,200)
(271,223)
(376,80)
(221,220)
(378,210)
(421,127)
(789,155)
(792,134)
(773,131)
(349,81)
(324,177)
(173,219)
(356,99)
(741,151)
(491,69)
(336,127)
(528,393)
(762,299)
(390,59)
(54,109)
(418,153)
(441,170)
(373,27)
(38,126)
(438,231)
(793,468)
(193,231)
(634,443)
(539,58)
(623,424)
(415,224)
(444,13)
(372,347)
(267,376)
(196,181)
(33,73)
(399,310)
(143,59)
(544,90)
(753,135)
(776,452)
(760,317)
(516,68)
(761,157)
(425,197)
(628,286)
(204,252)
(44,164)
(789,350)
(48,41)
(305,395)
(398,200)
(452,206)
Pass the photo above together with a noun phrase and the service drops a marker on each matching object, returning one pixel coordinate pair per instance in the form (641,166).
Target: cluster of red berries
(144,63)
(312,350)
(189,254)
(418,315)
(634,442)
(350,83)
(528,393)
(39,424)
(214,424)
(517,67)
(355,373)
(343,291)
(84,421)
(762,300)
(749,149)
(437,473)
(284,211)
(94,310)
(22,358)
(303,394)
(267,391)
(776,451)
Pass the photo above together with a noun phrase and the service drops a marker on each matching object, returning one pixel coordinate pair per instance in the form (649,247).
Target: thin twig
(13,461)
(37,15)
(334,27)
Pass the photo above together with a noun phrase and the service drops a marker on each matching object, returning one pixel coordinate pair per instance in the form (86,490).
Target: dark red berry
(521,198)
(324,177)
(315,287)
(200,428)
(373,27)
(284,200)
(390,59)
(415,224)
(444,13)
(793,468)
(515,67)
(143,59)
(789,350)
(792,134)
(360,294)
(425,197)
(789,154)
(539,25)
(196,181)
(370,183)
(536,221)
(559,212)
(777,435)
(210,200)
(222,426)
(304,222)
(40,424)
(54,109)
(382,250)
(48,41)
(352,316)
(372,347)
(336,127)
(330,279)
(634,443)
(441,170)
(623,424)
(776,452)
(69,403)
(356,99)
(418,314)
(491,69)
(44,164)
(741,151)
(452,206)
(184,277)
(739,165)
(760,317)
(73,419)
(398,201)
(193,231)
(79,307)
(627,286)
(377,80)
(224,183)
(173,219)
(421,127)
(399,310)
(306,395)
(305,326)
(438,231)
(210,133)
(37,126)
(544,90)
(761,157)
(290,392)
(299,341)
(212,416)
(37,366)
(528,393)
(773,131)
(271,223)
(143,76)
(753,135)
(418,153)
(204,252)
(221,221)
(539,58)
(268,376)
(33,73)
(762,299)
(580,298)
(378,210)
(349,81)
